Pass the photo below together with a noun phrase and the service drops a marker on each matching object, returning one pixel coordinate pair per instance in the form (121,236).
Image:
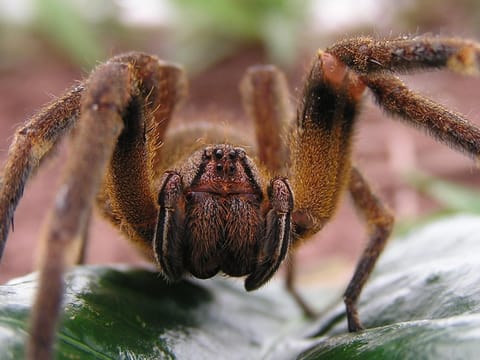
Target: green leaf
(455,338)
(422,302)
(120,313)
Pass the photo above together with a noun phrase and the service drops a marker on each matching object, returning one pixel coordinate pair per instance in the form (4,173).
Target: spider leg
(79,253)
(379,221)
(321,149)
(163,87)
(366,55)
(414,109)
(376,59)
(32,143)
(129,194)
(109,91)
(321,144)
(325,122)
(124,110)
(265,97)
(266,100)
(168,240)
(290,284)
(277,234)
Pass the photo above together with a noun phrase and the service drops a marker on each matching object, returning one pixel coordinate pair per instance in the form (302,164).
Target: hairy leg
(321,147)
(366,55)
(379,222)
(444,125)
(108,93)
(266,100)
(290,284)
(125,110)
(129,183)
(376,60)
(31,144)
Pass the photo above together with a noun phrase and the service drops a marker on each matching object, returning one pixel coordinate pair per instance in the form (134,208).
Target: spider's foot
(354,323)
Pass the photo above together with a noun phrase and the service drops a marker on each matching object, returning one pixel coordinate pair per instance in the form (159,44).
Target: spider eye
(218,154)
(232,155)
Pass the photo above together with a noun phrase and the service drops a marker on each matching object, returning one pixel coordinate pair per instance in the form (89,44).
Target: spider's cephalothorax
(214,217)
(205,210)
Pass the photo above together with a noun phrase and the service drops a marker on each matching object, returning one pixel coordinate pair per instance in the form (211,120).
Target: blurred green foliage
(201,33)
(196,33)
(210,30)
(75,30)
(451,197)
(61,23)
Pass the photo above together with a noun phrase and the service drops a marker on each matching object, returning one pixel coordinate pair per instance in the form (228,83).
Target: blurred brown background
(45,45)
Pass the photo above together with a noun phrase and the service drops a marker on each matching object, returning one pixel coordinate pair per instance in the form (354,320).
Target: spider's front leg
(376,61)
(123,114)
(322,170)
(128,196)
(321,143)
(101,108)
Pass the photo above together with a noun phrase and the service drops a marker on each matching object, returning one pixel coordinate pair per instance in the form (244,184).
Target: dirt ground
(384,150)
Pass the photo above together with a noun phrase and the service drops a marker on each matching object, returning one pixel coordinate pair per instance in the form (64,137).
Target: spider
(197,200)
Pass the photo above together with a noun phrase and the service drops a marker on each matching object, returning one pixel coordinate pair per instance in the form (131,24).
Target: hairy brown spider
(203,207)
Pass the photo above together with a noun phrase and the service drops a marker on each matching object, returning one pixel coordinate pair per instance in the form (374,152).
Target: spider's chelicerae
(203,207)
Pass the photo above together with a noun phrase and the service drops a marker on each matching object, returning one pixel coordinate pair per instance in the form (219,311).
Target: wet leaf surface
(423,301)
